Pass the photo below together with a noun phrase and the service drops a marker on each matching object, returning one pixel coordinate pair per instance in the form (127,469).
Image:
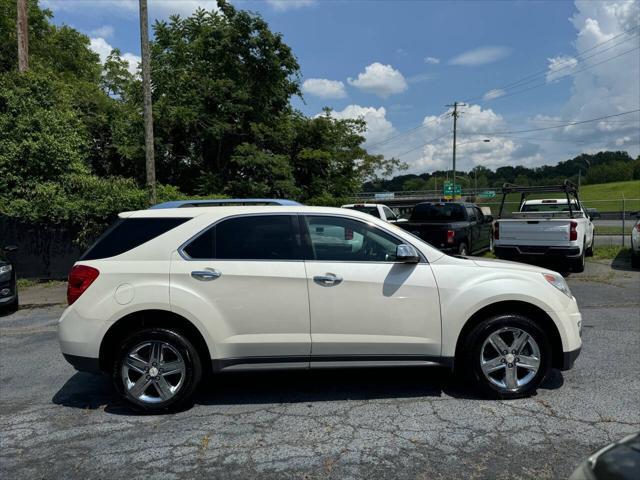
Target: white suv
(166,296)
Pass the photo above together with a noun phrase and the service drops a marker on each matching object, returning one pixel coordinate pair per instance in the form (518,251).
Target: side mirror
(488,218)
(10,248)
(407,254)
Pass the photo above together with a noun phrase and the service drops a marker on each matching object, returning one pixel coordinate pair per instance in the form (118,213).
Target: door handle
(206,275)
(328,280)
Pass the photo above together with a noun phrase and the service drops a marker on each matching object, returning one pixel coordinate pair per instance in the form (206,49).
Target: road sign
(384,196)
(448,190)
(487,194)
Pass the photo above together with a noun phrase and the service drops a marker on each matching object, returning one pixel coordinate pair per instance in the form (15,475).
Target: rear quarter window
(128,233)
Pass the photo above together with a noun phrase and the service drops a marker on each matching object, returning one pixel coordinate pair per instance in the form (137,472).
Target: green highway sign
(487,194)
(448,191)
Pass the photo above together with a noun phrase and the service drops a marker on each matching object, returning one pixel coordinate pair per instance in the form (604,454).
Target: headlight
(5,269)
(558,282)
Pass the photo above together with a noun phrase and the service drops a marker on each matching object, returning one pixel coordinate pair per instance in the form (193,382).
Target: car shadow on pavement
(93,392)
(622,261)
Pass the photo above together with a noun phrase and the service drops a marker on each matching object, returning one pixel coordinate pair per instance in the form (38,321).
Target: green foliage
(261,174)
(596,168)
(41,133)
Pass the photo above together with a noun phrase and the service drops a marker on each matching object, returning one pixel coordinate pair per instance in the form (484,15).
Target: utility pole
(455,114)
(148,112)
(22,29)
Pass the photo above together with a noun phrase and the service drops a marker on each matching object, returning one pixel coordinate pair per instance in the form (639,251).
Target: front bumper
(569,358)
(83,364)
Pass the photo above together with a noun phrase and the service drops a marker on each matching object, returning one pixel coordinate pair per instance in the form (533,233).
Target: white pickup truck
(550,227)
(377,210)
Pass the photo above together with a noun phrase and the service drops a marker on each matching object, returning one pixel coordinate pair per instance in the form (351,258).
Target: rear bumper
(535,250)
(569,358)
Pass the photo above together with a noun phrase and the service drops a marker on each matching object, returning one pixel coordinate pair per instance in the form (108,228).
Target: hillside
(606,197)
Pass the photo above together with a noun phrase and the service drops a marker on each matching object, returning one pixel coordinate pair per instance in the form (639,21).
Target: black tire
(589,252)
(635,260)
(577,264)
(190,379)
(10,308)
(462,249)
(468,362)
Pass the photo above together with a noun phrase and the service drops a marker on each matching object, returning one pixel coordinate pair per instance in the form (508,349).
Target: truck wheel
(635,259)
(157,370)
(577,265)
(462,250)
(506,356)
(589,252)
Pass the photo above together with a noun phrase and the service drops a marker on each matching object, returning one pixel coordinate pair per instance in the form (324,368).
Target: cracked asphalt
(401,423)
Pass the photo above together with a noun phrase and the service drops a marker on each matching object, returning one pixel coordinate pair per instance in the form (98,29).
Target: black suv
(8,287)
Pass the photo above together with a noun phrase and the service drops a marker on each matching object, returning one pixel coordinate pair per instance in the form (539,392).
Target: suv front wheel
(506,356)
(157,370)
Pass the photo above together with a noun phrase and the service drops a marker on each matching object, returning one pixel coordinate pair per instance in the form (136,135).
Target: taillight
(80,277)
(573,232)
(451,235)
(496,231)
(638,227)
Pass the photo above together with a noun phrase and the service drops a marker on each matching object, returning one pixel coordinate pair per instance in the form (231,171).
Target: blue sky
(398,63)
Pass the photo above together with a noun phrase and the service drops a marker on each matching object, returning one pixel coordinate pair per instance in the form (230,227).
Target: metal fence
(614,218)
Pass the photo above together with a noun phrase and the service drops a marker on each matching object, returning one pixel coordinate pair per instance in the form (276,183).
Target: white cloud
(283,5)
(382,80)
(157,8)
(481,56)
(560,66)
(495,93)
(429,148)
(432,60)
(106,31)
(607,88)
(103,49)
(378,127)
(323,88)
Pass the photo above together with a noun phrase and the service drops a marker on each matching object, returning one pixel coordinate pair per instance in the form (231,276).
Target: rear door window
(259,237)
(129,233)
(389,213)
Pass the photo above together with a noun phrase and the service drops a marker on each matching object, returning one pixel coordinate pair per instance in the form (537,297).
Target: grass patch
(605,197)
(27,283)
(608,230)
(609,252)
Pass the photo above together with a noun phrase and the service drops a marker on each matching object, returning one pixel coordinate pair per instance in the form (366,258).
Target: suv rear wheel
(506,356)
(157,370)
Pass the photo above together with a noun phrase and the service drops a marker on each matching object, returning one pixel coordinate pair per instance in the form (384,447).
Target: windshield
(437,212)
(366,209)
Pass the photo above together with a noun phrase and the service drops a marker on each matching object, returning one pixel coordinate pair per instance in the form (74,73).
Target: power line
(517,92)
(568,60)
(423,144)
(509,132)
(406,132)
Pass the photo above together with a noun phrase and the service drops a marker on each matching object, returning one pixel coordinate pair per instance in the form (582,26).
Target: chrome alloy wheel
(510,358)
(153,372)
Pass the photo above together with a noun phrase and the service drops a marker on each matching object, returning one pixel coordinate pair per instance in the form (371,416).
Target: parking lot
(409,423)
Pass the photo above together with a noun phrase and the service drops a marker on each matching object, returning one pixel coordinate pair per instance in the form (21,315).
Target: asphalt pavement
(397,423)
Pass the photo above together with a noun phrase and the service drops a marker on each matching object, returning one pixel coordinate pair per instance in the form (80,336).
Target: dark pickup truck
(452,227)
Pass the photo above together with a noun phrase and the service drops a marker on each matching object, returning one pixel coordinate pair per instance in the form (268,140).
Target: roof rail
(223,202)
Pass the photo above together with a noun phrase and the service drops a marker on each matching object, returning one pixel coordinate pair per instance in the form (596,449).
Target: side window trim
(308,248)
(295,225)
